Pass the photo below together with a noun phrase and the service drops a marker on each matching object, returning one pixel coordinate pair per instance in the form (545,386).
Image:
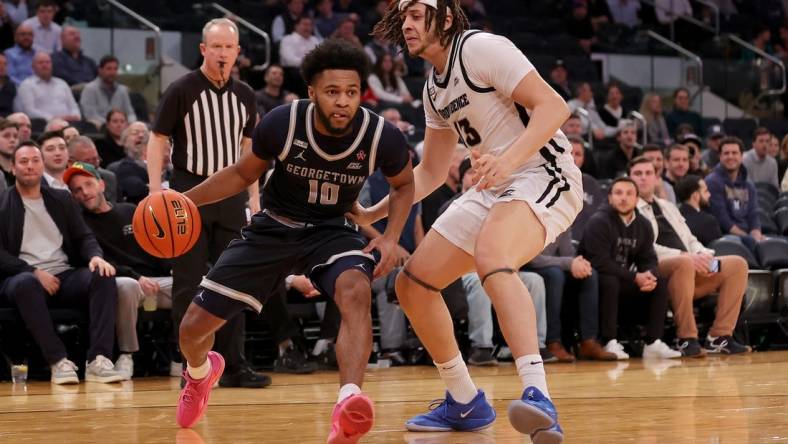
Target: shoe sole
(103,379)
(528,419)
(66,380)
(355,420)
(547,437)
(215,379)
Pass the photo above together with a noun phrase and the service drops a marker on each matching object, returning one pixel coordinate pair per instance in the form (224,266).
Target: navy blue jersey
(318,177)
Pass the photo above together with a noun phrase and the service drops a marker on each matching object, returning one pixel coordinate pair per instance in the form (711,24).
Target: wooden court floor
(717,400)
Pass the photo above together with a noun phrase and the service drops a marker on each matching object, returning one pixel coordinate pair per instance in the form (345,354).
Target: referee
(210,118)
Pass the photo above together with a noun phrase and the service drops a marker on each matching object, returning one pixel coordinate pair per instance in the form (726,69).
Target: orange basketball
(166,224)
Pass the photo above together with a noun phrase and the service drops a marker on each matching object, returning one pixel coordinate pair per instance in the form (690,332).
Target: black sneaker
(547,356)
(293,361)
(725,345)
(690,348)
(327,360)
(245,377)
(482,357)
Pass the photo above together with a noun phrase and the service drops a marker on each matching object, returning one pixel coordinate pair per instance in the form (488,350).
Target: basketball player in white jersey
(484,90)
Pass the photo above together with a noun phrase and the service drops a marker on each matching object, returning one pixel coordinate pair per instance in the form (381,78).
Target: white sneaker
(125,366)
(617,349)
(659,350)
(101,370)
(176,369)
(65,372)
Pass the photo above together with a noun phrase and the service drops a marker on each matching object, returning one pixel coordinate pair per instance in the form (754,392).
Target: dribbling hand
(491,170)
(362,216)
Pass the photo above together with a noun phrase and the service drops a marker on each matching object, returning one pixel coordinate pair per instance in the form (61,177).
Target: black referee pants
(221,223)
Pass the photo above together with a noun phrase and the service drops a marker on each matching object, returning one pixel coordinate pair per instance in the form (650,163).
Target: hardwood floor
(715,400)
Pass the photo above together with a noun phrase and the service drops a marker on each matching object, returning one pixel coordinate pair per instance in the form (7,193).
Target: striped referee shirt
(206,123)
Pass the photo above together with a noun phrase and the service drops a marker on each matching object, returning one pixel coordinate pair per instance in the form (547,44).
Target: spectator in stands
(573,127)
(51,259)
(734,200)
(561,267)
(612,112)
(55,124)
(774,148)
(682,114)
(7,88)
(326,20)
(782,157)
(614,163)
(619,243)
(20,56)
(132,170)
(689,269)
(694,196)
(350,8)
(81,149)
(668,10)
(70,133)
(432,203)
(711,156)
(677,163)
(373,15)
(579,25)
(46,33)
(16,10)
(70,64)
(475,12)
(761,167)
(347,31)
(377,47)
(23,122)
(292,50)
(272,94)
(662,188)
(657,128)
(625,12)
(762,40)
(694,145)
(584,99)
(6,28)
(9,136)
(54,152)
(393,116)
(105,93)
(139,274)
(387,85)
(593,195)
(110,148)
(285,23)
(559,80)
(43,96)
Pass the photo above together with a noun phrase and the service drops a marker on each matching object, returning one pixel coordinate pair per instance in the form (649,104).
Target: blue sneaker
(448,415)
(535,415)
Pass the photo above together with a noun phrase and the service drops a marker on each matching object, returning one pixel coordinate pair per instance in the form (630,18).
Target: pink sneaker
(352,418)
(194,396)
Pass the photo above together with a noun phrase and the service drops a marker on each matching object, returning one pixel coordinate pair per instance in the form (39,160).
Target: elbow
(562,109)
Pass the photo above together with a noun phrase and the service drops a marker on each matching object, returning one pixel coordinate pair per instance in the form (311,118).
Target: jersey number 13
(467,132)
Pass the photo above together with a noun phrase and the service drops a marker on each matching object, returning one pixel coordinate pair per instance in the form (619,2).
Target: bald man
(45,97)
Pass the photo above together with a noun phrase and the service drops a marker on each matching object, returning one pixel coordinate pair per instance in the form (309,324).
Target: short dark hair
(650,147)
(334,54)
(115,110)
(50,135)
(676,147)
(45,3)
(761,130)
(576,139)
(5,124)
(574,116)
(686,186)
(107,59)
(640,160)
(623,179)
(678,90)
(25,144)
(731,140)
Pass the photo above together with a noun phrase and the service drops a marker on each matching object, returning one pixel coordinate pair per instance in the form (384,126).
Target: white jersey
(474,97)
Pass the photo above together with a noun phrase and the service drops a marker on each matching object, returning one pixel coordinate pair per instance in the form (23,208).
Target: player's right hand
(388,257)
(362,216)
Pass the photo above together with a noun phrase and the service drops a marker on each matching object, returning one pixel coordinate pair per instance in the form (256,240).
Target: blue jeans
(555,281)
(480,322)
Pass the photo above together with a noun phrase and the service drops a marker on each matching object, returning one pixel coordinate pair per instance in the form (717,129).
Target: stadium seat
(767,188)
(778,127)
(782,202)
(726,247)
(765,204)
(767,223)
(781,218)
(773,253)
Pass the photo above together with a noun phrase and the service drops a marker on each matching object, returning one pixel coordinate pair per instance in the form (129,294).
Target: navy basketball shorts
(254,267)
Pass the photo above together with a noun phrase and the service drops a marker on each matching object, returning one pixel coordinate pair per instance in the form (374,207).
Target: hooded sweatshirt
(733,202)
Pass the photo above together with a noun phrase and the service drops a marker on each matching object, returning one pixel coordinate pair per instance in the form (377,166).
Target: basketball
(166,224)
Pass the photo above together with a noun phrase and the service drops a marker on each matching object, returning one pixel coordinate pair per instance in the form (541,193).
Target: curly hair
(334,54)
(389,28)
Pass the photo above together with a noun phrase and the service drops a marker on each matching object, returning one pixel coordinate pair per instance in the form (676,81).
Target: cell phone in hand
(714,266)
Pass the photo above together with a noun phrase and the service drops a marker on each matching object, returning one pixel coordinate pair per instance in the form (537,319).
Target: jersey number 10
(329,192)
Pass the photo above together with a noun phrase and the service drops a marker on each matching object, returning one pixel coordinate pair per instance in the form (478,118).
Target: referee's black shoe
(244,377)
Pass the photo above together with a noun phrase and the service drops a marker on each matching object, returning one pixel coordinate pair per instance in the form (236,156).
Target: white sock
(346,390)
(201,371)
(531,371)
(457,379)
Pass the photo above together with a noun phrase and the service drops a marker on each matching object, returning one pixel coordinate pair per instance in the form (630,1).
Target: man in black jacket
(619,243)
(693,196)
(50,258)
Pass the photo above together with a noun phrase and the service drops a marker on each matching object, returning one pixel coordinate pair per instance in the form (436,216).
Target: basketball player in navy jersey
(322,149)
(484,90)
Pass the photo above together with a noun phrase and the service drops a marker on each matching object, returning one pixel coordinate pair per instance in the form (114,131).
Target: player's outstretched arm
(157,144)
(439,145)
(229,181)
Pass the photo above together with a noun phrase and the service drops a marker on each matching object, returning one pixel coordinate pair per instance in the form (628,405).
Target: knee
(24,284)
(191,329)
(353,294)
(408,290)
(684,267)
(554,277)
(733,265)
(487,259)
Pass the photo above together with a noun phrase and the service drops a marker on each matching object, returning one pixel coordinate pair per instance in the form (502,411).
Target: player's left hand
(491,170)
(387,249)
(104,268)
(362,216)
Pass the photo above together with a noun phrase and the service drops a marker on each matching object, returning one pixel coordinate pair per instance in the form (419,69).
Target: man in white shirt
(55,155)
(46,33)
(761,167)
(105,93)
(45,97)
(283,23)
(296,45)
